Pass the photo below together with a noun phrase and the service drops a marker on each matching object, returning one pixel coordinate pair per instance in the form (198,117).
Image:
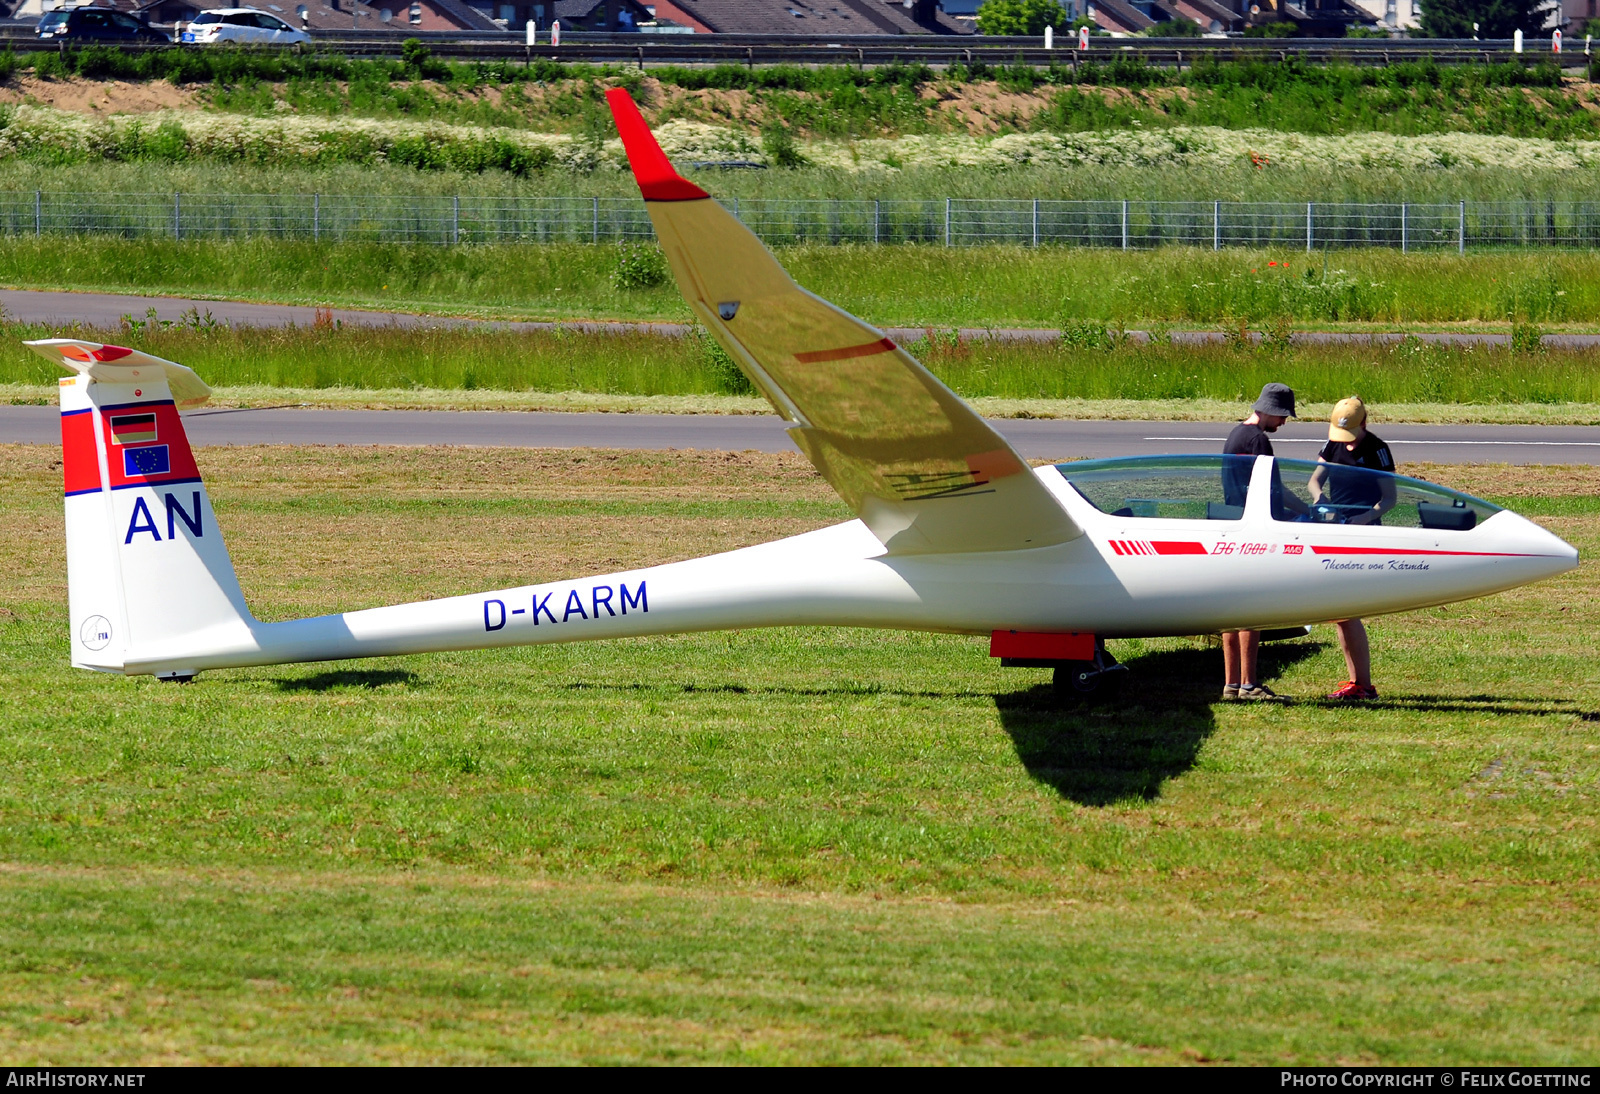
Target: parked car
(96,25)
(244,26)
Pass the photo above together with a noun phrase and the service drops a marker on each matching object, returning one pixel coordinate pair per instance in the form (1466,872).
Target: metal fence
(951,222)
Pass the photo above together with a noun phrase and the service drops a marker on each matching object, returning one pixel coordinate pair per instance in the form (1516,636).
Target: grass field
(830,846)
(908,285)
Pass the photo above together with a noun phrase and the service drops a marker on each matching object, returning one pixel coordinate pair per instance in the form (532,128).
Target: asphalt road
(103,310)
(1034,438)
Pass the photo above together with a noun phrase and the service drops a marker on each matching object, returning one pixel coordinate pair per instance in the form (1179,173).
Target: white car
(244,26)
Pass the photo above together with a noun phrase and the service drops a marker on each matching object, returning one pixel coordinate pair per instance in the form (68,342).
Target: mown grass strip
(1169,410)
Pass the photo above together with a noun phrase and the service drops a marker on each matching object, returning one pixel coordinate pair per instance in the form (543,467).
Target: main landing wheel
(1096,681)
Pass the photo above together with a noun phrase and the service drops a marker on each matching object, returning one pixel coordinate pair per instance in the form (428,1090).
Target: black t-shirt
(1356,489)
(1245,440)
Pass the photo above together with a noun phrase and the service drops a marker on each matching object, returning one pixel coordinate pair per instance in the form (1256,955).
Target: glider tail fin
(147,571)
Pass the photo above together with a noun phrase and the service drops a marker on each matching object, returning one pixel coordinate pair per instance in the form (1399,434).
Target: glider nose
(1557,555)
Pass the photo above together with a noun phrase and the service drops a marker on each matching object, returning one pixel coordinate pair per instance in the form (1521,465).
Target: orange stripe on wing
(866,349)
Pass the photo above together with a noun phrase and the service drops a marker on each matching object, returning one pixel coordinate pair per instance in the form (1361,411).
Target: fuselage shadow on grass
(838,690)
(364,679)
(1098,754)
(1480,704)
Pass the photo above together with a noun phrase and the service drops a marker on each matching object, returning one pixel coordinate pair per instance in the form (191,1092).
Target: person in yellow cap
(1353,497)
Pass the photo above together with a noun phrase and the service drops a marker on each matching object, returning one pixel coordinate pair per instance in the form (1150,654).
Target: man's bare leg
(1230,658)
(1249,646)
(1357,651)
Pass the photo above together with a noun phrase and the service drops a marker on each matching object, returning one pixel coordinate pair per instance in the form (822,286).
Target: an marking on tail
(175,513)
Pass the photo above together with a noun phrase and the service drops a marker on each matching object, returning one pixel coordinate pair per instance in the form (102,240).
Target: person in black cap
(1249,438)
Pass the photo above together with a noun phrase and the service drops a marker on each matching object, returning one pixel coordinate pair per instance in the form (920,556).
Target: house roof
(1116,15)
(819,17)
(464,15)
(1211,10)
(582,9)
(1327,11)
(321,15)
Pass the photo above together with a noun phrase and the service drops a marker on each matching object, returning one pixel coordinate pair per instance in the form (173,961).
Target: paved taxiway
(1033,437)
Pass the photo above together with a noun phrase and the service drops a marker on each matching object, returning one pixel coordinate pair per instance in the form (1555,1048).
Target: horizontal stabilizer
(121,365)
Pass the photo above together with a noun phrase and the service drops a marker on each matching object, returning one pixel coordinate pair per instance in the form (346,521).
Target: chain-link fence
(952,222)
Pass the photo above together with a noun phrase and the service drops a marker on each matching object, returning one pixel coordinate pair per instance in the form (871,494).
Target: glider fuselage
(1123,578)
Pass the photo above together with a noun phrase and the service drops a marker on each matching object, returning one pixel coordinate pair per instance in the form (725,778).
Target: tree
(1495,18)
(1023,18)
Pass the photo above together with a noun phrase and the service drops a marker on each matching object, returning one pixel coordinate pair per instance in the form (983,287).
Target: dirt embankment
(98,96)
(979,108)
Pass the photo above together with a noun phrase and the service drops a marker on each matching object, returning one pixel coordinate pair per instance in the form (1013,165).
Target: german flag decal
(133,428)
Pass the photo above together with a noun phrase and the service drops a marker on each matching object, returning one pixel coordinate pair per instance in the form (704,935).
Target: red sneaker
(1352,692)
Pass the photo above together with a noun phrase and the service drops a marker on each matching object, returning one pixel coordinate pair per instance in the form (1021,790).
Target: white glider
(954,532)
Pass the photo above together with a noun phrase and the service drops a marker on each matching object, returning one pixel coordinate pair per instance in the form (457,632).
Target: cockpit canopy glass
(1175,487)
(1324,493)
(1216,488)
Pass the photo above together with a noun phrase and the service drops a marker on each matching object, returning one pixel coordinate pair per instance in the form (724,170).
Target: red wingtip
(651,168)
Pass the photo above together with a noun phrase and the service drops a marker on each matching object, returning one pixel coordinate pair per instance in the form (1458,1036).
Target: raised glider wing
(955,534)
(918,465)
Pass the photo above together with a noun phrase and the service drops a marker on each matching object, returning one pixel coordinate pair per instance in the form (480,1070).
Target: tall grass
(1049,286)
(641,364)
(894,286)
(1172,183)
(1408,98)
(447,359)
(1411,372)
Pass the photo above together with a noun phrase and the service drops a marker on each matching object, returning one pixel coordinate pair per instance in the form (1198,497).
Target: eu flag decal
(150,460)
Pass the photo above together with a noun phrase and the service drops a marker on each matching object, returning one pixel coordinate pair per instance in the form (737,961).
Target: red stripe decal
(1177,547)
(866,349)
(1402,551)
(80,462)
(1115,546)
